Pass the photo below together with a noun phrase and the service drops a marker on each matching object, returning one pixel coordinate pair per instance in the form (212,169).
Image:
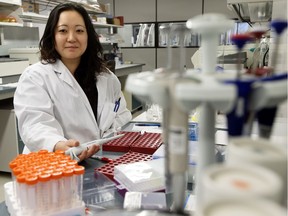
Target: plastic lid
(61,152)
(21,178)
(31,179)
(43,151)
(56,174)
(72,162)
(79,170)
(17,170)
(44,177)
(68,172)
(13,164)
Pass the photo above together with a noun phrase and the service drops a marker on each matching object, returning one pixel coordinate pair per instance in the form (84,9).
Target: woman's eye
(80,30)
(62,30)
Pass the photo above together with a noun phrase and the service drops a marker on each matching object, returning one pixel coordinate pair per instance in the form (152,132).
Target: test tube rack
(14,208)
(146,143)
(129,157)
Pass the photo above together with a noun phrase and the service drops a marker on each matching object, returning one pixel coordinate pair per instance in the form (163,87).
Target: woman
(69,97)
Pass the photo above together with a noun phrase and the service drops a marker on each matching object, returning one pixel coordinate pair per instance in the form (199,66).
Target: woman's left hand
(91,150)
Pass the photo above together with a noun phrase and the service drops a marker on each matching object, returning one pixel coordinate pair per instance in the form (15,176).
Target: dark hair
(91,59)
(91,63)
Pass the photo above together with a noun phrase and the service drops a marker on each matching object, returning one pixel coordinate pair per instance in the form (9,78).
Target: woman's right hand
(65,145)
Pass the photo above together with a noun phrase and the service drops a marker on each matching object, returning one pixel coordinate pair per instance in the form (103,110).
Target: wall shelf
(11,24)
(10,3)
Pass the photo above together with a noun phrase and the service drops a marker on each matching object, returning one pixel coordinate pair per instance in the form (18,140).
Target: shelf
(11,24)
(10,3)
(37,18)
(105,25)
(90,9)
(33,17)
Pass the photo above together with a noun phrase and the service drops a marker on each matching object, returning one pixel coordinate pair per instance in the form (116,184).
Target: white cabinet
(9,146)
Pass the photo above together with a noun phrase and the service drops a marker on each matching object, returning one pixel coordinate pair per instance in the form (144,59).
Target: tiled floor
(4,177)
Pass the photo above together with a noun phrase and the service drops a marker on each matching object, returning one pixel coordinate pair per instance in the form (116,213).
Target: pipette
(266,116)
(257,33)
(74,151)
(240,40)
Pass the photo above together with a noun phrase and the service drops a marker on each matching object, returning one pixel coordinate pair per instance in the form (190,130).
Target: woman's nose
(71,36)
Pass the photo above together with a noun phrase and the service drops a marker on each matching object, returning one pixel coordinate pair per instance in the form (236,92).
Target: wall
(139,11)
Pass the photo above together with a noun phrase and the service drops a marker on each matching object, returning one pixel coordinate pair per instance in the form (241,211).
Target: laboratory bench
(7,92)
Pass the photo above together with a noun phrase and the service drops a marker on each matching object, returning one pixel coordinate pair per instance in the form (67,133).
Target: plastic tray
(122,144)
(146,143)
(129,157)
(97,188)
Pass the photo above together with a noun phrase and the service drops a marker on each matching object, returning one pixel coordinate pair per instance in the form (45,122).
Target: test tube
(31,202)
(67,187)
(78,183)
(55,189)
(20,190)
(43,191)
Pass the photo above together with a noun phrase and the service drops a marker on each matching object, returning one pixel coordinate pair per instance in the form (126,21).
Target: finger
(83,155)
(72,143)
(92,150)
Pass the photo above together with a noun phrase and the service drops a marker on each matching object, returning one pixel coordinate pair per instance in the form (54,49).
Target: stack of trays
(146,143)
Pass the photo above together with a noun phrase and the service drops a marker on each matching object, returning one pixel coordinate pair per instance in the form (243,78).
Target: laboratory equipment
(144,176)
(74,151)
(42,179)
(129,157)
(261,207)
(234,180)
(97,188)
(245,151)
(252,10)
(142,142)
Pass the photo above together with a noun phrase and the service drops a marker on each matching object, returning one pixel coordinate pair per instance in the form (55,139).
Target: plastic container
(97,188)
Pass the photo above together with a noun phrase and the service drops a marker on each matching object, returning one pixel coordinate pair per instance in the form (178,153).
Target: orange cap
(17,170)
(31,179)
(60,152)
(68,172)
(56,174)
(44,177)
(43,151)
(21,178)
(79,170)
(13,164)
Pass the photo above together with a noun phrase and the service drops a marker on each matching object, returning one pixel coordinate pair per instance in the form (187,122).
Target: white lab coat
(51,106)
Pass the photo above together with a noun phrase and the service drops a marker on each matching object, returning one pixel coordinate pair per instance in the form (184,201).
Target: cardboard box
(30,6)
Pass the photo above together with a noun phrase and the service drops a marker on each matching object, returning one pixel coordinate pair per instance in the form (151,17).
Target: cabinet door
(136,10)
(168,10)
(8,138)
(218,6)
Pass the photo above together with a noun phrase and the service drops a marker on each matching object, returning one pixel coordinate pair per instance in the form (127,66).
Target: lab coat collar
(64,73)
(68,78)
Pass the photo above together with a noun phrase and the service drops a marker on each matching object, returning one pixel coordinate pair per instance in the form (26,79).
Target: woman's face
(70,36)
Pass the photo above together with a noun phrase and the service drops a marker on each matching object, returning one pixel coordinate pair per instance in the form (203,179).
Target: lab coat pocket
(107,117)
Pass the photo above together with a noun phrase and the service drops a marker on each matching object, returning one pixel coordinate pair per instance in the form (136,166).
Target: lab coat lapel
(67,77)
(102,92)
